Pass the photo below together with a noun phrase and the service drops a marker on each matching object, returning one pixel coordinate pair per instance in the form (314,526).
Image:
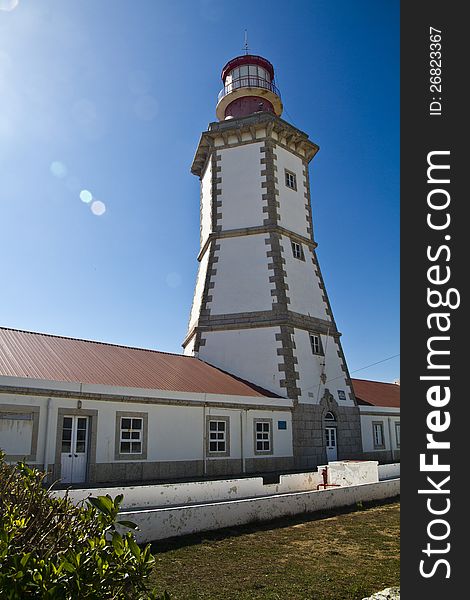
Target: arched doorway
(331,437)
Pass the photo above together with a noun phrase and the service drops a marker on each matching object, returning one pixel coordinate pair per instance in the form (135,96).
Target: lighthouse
(260,309)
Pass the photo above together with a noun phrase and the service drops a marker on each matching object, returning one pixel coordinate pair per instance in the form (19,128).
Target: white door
(331,450)
(74,452)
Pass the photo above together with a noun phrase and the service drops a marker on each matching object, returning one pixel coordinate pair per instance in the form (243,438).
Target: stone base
(121,472)
(269,464)
(223,467)
(308,429)
(383,456)
(137,472)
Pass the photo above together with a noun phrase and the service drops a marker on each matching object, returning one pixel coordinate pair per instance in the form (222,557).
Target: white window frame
(131,435)
(263,436)
(290,180)
(210,433)
(315,344)
(135,436)
(378,426)
(297,250)
(397,433)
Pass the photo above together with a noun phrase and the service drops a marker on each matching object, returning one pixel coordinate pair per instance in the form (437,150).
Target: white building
(379,406)
(93,412)
(263,385)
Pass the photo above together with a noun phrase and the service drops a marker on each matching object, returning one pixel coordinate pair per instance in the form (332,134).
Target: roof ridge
(375,381)
(75,339)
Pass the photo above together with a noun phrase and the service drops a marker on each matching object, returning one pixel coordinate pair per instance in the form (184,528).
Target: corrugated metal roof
(376,393)
(55,358)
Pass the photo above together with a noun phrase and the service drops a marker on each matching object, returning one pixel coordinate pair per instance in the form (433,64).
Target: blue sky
(112,96)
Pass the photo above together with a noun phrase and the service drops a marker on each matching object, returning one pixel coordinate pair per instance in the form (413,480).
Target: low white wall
(389,471)
(173,494)
(161,523)
(177,494)
(351,472)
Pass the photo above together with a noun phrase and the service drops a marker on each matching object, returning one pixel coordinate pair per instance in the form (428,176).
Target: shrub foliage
(51,549)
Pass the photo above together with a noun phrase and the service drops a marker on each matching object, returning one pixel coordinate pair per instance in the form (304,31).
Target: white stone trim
(87,388)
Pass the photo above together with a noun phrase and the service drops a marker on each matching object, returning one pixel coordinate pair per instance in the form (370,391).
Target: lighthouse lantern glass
(247,76)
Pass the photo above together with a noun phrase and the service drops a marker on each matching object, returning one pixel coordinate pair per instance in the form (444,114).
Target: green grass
(343,556)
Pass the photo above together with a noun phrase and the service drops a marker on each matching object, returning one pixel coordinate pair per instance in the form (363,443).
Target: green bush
(51,549)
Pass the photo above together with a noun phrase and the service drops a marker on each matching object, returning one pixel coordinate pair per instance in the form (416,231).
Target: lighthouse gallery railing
(248,81)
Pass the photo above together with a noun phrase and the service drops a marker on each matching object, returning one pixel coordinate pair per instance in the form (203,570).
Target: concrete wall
(161,523)
(346,473)
(198,290)
(177,494)
(309,367)
(304,292)
(292,202)
(252,353)
(242,279)
(242,205)
(390,471)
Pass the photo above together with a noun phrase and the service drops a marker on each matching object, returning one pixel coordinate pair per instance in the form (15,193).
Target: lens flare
(86,196)
(8,5)
(98,208)
(58,169)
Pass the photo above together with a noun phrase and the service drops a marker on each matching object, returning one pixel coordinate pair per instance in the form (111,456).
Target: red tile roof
(56,358)
(376,393)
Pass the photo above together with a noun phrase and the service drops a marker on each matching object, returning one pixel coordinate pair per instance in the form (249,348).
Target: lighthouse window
(236,77)
(247,76)
(297,251)
(315,342)
(291,180)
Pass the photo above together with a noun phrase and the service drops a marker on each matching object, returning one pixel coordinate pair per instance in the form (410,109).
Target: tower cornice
(256,230)
(246,130)
(268,318)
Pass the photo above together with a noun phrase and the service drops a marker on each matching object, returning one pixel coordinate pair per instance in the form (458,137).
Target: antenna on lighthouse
(245,47)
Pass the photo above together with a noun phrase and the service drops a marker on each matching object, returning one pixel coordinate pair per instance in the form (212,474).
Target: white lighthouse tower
(260,308)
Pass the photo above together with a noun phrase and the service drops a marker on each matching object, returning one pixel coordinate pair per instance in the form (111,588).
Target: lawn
(342,556)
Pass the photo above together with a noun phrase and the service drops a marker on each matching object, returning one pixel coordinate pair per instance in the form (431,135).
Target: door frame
(92,438)
(335,429)
(76,462)
(331,424)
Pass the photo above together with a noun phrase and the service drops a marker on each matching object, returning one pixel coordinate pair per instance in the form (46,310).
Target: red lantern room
(248,88)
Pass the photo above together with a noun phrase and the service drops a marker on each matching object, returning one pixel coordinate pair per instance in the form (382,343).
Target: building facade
(90,412)
(379,407)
